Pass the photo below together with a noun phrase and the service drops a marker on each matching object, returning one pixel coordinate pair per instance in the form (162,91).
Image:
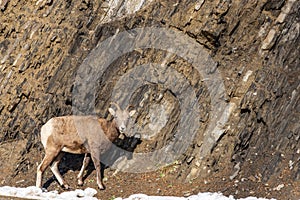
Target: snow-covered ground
(89,193)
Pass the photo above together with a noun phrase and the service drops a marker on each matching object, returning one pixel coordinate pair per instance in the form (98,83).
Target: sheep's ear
(112,111)
(131,113)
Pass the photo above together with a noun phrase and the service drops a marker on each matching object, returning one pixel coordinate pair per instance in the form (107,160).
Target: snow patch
(33,192)
(200,196)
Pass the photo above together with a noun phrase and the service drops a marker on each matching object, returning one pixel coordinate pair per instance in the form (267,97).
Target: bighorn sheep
(80,134)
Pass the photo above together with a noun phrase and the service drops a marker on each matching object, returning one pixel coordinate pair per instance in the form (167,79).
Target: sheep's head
(121,117)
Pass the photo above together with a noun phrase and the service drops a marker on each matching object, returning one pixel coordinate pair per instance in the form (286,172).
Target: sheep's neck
(110,129)
(113,132)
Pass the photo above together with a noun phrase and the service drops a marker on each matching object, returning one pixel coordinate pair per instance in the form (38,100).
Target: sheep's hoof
(101,187)
(80,183)
(66,187)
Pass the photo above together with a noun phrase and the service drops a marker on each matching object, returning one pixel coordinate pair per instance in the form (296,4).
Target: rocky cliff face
(59,58)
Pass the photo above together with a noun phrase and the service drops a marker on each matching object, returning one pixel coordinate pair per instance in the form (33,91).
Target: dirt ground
(162,182)
(234,30)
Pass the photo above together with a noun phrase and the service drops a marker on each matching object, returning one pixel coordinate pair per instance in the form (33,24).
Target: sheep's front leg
(97,165)
(85,163)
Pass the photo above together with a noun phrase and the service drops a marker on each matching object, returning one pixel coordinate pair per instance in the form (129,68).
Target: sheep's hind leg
(49,157)
(85,163)
(55,170)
